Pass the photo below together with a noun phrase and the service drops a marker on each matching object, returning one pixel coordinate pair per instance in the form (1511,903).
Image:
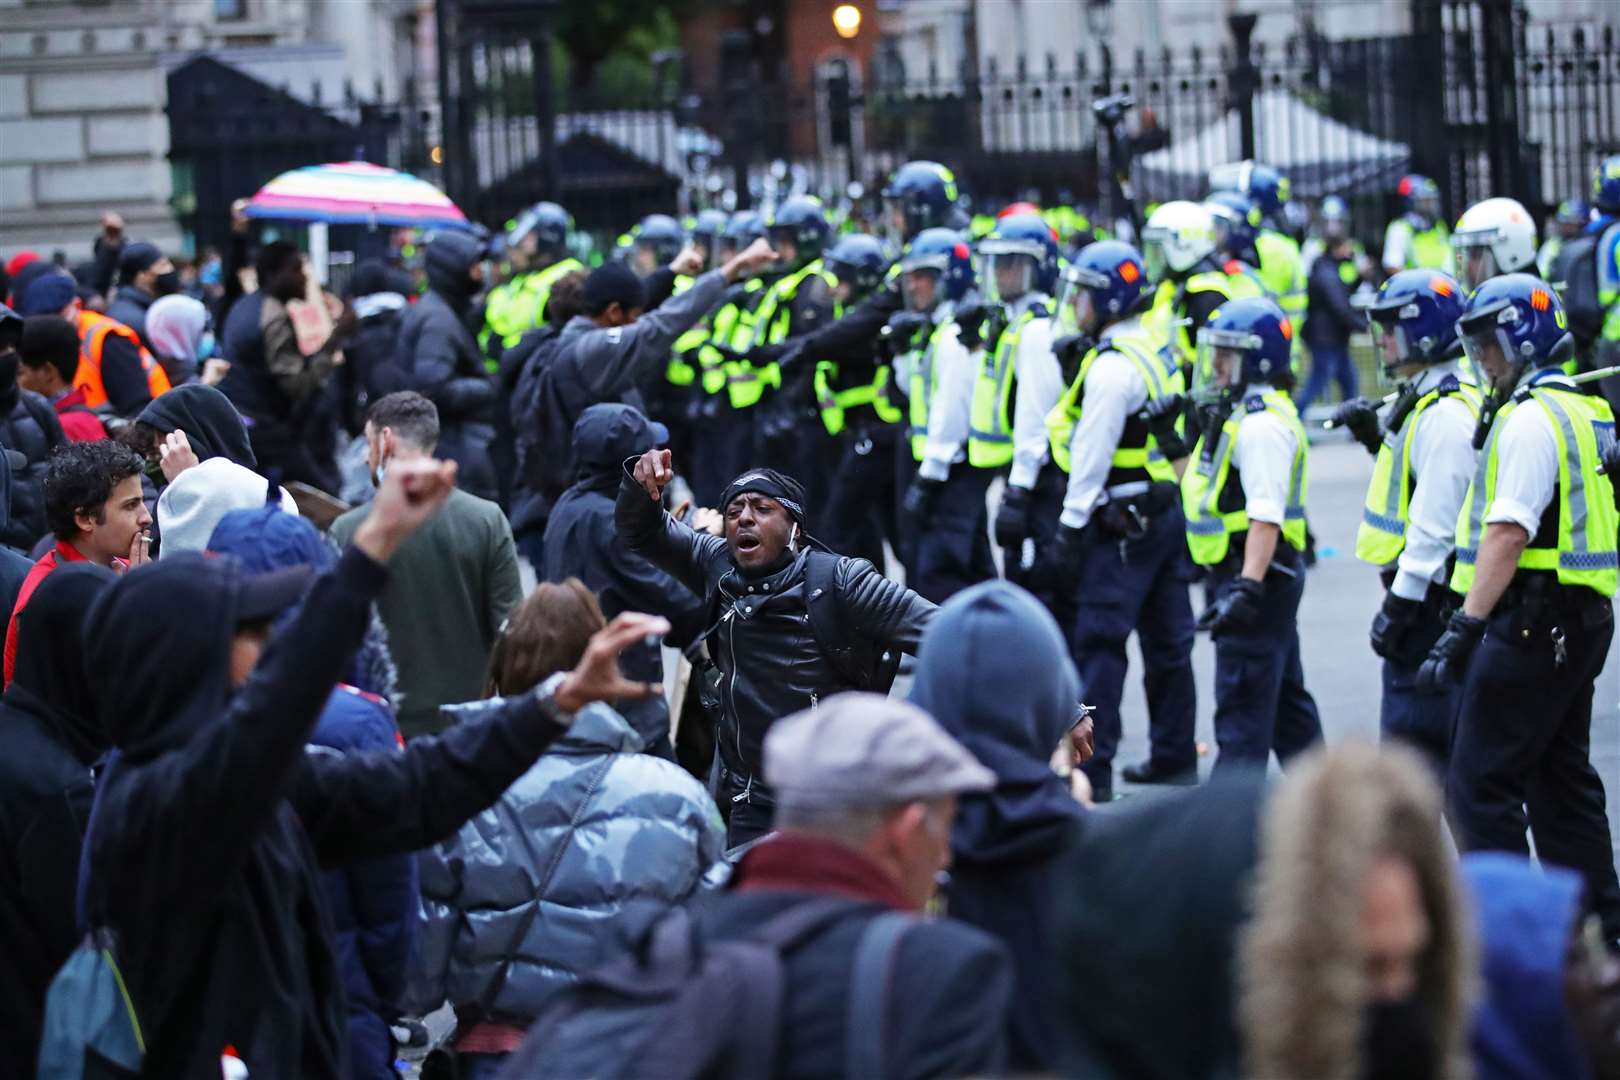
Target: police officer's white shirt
(1040,384)
(1527,462)
(1263,453)
(1114,391)
(1443,459)
(951,406)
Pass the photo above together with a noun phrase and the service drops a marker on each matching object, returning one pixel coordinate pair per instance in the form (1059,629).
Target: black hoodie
(439,359)
(213,823)
(211,423)
(29,426)
(48,741)
(1151,897)
(580,542)
(994,671)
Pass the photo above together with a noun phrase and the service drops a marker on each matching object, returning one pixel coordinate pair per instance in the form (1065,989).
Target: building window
(230,9)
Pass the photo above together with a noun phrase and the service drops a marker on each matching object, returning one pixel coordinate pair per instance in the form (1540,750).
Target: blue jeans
(1329,363)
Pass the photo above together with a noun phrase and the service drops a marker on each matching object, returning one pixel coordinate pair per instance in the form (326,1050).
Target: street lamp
(846,20)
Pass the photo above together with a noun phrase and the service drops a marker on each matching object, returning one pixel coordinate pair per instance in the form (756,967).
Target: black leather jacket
(769,661)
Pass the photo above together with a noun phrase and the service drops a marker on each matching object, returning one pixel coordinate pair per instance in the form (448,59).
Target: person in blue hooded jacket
(373,903)
(1551,1006)
(993,669)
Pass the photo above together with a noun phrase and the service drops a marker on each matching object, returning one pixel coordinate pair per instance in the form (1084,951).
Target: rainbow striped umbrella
(355,193)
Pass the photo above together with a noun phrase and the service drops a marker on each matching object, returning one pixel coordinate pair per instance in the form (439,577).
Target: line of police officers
(1135,406)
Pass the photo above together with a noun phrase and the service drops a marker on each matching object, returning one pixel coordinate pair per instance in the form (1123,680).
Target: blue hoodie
(994,671)
(1522,1028)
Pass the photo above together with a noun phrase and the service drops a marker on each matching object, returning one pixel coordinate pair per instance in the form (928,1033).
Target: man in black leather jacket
(767,640)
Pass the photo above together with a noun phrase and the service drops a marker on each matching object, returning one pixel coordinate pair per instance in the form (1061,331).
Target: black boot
(1151,772)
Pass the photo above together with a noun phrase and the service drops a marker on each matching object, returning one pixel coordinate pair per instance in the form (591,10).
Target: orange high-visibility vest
(93,330)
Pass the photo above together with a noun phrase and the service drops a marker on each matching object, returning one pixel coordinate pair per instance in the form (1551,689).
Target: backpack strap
(870,979)
(829,621)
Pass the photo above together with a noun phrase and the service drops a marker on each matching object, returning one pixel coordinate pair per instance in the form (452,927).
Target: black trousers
(1261,704)
(953,544)
(860,514)
(1522,749)
(722,446)
(1138,585)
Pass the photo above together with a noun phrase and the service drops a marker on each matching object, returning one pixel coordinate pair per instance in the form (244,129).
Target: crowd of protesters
(289,760)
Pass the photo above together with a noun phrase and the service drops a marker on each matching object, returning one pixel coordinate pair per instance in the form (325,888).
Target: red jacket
(62,554)
(79,423)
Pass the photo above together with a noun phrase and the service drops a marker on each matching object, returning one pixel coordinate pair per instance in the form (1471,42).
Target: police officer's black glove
(1066,559)
(1239,608)
(1012,517)
(1070,350)
(903,326)
(919,501)
(765,355)
(1160,414)
(1360,418)
(970,320)
(1449,658)
(1393,620)
(1610,467)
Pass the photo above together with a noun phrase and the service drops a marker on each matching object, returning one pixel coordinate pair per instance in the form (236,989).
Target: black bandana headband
(779,486)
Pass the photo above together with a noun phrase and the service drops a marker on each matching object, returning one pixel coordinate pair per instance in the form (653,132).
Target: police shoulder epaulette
(1039,310)
(1255,403)
(1449,385)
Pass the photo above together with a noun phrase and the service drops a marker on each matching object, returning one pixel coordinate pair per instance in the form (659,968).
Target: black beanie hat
(613,282)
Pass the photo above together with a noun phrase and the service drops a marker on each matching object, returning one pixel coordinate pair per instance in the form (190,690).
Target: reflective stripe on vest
(93,330)
(734,331)
(1159,373)
(835,403)
(990,436)
(924,384)
(1587,520)
(1209,530)
(1381,537)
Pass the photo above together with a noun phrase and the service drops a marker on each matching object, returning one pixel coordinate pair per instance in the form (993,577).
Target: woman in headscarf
(183,340)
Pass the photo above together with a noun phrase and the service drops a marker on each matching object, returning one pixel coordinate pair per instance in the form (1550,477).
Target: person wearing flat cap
(866,791)
(790,623)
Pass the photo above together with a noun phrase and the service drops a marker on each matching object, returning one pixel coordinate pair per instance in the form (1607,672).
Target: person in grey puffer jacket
(559,875)
(439,359)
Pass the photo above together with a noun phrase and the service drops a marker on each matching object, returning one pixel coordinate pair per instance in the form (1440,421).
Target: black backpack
(1576,268)
(537,432)
(681,1006)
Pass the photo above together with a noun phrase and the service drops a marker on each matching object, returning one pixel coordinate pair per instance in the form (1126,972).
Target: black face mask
(166,284)
(8,370)
(1397,1041)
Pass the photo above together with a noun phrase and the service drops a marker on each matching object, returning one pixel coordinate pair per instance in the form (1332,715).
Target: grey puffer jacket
(547,883)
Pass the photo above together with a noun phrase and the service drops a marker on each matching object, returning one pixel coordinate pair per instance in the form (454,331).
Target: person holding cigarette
(93,504)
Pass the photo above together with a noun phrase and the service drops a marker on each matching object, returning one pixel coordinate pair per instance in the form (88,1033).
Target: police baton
(1579,380)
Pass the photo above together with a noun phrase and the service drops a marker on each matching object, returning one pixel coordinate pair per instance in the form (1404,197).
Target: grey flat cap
(867,750)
